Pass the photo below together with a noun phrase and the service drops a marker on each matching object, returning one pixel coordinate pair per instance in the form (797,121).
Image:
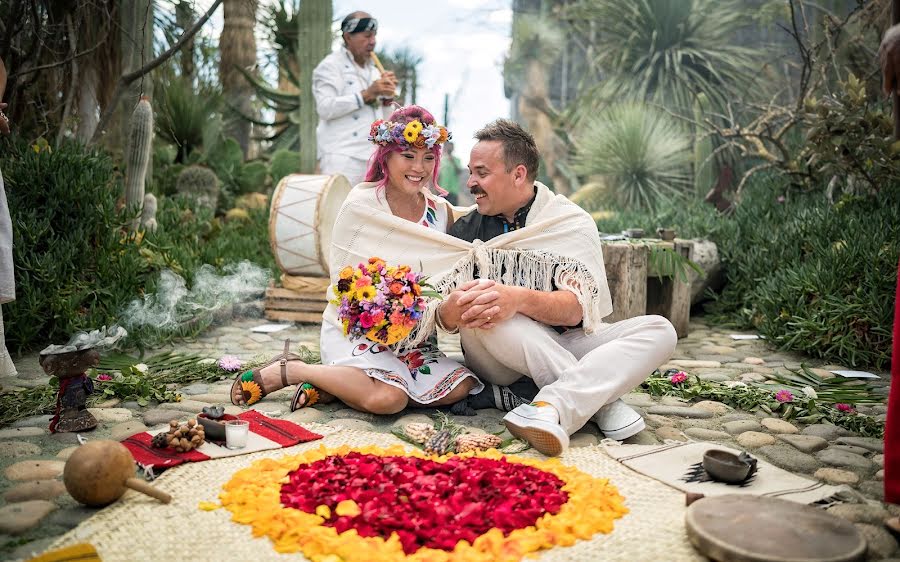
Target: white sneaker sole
(548,438)
(623,433)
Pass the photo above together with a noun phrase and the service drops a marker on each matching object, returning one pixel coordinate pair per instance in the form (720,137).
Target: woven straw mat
(140,528)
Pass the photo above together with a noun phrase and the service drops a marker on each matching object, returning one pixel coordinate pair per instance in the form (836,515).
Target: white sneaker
(538,423)
(617,420)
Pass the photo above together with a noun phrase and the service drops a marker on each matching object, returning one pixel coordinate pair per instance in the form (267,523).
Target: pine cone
(160,441)
(419,432)
(439,443)
(475,442)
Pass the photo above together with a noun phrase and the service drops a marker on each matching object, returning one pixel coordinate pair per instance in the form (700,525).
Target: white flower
(809,392)
(142,367)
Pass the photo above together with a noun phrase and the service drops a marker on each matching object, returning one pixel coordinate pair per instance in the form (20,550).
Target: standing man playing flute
(351,93)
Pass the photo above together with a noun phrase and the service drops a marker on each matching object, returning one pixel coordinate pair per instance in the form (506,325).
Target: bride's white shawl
(559,247)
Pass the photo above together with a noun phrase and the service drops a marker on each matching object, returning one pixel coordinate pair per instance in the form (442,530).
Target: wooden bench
(637,290)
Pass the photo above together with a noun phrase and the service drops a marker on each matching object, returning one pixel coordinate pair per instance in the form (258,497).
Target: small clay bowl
(214,429)
(728,467)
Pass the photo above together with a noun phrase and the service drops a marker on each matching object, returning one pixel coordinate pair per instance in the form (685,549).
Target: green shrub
(76,267)
(74,264)
(691,218)
(811,276)
(283,163)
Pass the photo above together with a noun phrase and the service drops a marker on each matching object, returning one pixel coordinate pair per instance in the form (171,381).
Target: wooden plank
(287,294)
(294,316)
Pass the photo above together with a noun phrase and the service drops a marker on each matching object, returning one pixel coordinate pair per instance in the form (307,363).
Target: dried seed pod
(474,442)
(440,443)
(419,432)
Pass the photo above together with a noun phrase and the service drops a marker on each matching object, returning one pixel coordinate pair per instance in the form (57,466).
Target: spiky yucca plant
(666,51)
(639,154)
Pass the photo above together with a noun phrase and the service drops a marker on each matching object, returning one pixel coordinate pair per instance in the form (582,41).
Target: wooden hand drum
(743,528)
(301,218)
(99,472)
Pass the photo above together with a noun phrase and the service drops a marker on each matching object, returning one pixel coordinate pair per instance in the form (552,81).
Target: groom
(581,368)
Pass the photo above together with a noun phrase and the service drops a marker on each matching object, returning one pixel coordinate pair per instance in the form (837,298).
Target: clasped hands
(481,304)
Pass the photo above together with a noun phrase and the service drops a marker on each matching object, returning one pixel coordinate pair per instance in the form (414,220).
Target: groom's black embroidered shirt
(476,226)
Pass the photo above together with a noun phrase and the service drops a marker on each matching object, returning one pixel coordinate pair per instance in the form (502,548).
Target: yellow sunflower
(252,392)
(411,131)
(366,293)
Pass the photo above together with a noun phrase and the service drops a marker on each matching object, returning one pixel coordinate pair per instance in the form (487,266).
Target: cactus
(314,32)
(284,162)
(199,183)
(704,172)
(148,213)
(140,137)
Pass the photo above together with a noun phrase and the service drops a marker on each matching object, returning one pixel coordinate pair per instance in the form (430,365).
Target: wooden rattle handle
(144,488)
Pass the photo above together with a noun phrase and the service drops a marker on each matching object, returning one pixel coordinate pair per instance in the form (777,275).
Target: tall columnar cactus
(314,32)
(137,155)
(704,165)
(199,183)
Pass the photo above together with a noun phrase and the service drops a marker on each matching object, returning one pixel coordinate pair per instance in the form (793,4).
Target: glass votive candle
(236,433)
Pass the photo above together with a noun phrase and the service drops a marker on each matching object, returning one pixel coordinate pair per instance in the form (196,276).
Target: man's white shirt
(344,118)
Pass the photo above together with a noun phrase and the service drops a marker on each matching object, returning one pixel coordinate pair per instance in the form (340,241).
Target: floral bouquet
(380,302)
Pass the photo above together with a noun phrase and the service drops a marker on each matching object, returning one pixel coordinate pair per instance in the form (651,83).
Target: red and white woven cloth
(265,433)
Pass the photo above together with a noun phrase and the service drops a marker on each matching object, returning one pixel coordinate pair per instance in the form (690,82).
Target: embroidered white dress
(425,374)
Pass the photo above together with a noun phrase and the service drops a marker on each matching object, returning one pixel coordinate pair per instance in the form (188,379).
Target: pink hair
(377,170)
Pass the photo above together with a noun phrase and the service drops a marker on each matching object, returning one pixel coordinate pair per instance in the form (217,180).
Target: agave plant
(639,154)
(666,51)
(182,115)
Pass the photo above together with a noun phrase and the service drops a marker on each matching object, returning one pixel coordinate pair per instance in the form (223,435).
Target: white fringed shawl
(559,247)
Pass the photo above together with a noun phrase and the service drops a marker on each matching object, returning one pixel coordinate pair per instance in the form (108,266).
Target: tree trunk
(136,49)
(184,17)
(534,97)
(314,27)
(88,104)
(238,50)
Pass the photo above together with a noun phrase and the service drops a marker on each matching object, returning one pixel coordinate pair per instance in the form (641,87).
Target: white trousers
(353,168)
(577,373)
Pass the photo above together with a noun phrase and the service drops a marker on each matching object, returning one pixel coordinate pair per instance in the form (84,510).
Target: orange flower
(396,287)
(444,135)
(419,142)
(416,289)
(407,300)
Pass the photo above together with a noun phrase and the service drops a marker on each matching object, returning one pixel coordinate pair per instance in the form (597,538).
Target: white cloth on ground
(576,372)
(558,248)
(426,374)
(344,118)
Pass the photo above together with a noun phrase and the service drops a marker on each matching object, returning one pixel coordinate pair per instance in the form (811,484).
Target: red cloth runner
(283,433)
(892,426)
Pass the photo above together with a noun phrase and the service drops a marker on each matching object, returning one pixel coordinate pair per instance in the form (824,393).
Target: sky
(463,54)
(466,43)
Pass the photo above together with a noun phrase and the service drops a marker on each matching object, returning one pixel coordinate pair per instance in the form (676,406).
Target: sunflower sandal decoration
(388,504)
(252,389)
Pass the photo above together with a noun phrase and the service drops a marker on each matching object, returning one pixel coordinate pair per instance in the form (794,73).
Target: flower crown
(412,134)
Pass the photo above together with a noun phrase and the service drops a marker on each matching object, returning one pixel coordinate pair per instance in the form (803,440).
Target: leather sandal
(309,393)
(251,382)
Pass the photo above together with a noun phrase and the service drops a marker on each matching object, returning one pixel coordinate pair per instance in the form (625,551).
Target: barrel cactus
(137,156)
(199,183)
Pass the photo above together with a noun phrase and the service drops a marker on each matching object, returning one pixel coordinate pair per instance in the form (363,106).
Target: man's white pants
(353,168)
(577,373)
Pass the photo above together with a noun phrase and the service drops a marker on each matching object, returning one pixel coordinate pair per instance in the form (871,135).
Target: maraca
(98,473)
